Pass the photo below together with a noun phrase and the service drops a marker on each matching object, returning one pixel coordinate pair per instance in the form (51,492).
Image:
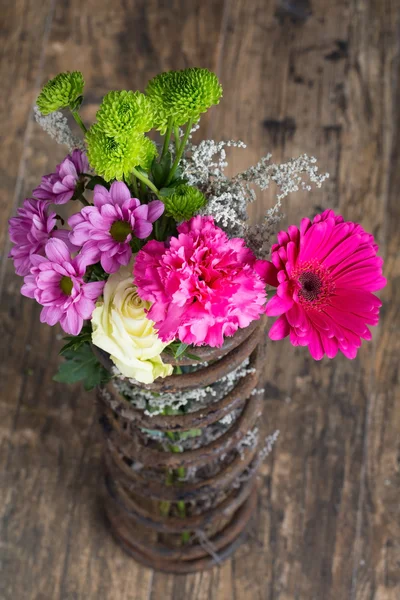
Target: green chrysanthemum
(122,113)
(60,92)
(183,95)
(115,158)
(184,203)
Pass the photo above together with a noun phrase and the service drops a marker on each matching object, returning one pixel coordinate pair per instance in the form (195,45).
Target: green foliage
(65,90)
(81,365)
(160,170)
(123,113)
(74,342)
(97,180)
(183,95)
(96,273)
(181,436)
(114,159)
(184,202)
(179,349)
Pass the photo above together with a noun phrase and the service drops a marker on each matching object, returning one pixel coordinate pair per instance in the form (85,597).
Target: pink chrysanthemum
(203,286)
(325,274)
(29,232)
(56,282)
(106,229)
(59,187)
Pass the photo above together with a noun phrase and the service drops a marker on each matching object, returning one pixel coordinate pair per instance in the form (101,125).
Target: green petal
(184,203)
(114,158)
(60,92)
(124,112)
(183,95)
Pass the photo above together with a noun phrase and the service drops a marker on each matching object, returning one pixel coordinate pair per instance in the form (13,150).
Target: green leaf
(74,342)
(160,169)
(181,349)
(82,365)
(96,273)
(97,180)
(76,104)
(171,189)
(192,433)
(192,356)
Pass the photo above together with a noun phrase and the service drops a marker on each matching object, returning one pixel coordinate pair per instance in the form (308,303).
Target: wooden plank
(377,560)
(56,544)
(315,97)
(327,520)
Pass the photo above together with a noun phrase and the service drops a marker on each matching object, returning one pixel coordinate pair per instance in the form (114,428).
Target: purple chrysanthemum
(30,230)
(59,187)
(56,282)
(106,229)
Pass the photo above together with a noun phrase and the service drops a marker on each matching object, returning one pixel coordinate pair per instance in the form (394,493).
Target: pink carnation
(59,187)
(325,274)
(203,285)
(56,282)
(29,232)
(106,229)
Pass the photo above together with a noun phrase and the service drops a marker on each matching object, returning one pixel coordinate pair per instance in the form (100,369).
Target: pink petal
(71,321)
(57,251)
(50,315)
(277,306)
(267,271)
(280,329)
(94,289)
(156,209)
(101,196)
(119,192)
(142,229)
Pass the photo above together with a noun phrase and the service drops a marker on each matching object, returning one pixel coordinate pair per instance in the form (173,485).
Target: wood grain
(316,77)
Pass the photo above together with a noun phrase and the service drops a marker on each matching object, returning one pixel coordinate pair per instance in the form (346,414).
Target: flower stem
(135,186)
(147,181)
(84,201)
(78,119)
(167,137)
(176,136)
(179,153)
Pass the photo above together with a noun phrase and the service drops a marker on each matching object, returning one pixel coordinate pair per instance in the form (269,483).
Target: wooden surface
(323,79)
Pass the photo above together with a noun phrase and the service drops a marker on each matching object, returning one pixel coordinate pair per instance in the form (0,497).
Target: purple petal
(142,229)
(119,192)
(156,209)
(71,321)
(57,251)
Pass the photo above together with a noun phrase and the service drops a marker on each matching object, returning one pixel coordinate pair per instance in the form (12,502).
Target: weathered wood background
(320,77)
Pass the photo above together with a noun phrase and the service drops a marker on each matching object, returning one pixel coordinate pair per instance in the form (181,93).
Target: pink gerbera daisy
(325,274)
(59,187)
(56,282)
(203,285)
(106,229)
(30,230)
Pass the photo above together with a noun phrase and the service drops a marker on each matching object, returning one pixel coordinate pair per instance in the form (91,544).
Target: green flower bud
(184,203)
(122,113)
(183,95)
(113,158)
(62,91)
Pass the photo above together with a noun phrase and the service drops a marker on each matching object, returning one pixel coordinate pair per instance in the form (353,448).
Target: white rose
(121,328)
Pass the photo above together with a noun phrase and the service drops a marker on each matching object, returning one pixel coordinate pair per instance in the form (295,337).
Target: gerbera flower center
(120,230)
(315,285)
(311,285)
(66,285)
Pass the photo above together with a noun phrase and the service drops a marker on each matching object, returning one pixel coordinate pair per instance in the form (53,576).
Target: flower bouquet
(163,286)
